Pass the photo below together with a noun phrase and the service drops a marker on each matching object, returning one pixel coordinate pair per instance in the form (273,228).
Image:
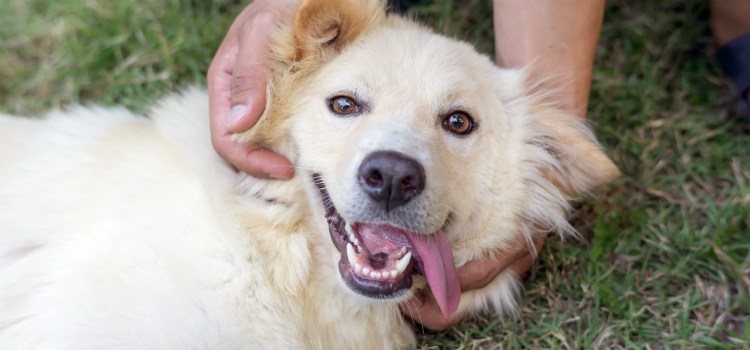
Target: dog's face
(399,130)
(419,153)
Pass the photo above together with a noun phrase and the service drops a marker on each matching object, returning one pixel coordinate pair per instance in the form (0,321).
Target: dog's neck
(280,220)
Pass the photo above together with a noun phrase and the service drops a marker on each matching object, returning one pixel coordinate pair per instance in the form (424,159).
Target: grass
(668,264)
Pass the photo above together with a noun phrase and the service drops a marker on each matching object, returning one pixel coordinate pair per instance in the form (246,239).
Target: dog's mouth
(379,259)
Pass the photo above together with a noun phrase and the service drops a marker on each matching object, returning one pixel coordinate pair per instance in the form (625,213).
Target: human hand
(473,275)
(237,81)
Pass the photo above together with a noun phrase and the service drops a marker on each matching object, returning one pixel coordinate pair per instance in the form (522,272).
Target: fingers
(219,78)
(237,82)
(479,273)
(250,74)
(525,262)
(425,311)
(249,158)
(423,308)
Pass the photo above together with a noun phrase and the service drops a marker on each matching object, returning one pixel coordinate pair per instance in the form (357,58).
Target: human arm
(558,38)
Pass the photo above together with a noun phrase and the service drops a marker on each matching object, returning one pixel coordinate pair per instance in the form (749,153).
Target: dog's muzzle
(378,259)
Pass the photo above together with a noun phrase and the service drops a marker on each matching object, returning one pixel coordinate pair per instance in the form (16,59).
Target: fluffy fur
(123,232)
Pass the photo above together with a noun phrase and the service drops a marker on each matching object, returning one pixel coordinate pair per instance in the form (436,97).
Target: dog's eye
(458,123)
(343,105)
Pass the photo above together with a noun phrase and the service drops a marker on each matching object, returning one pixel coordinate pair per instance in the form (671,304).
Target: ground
(667,265)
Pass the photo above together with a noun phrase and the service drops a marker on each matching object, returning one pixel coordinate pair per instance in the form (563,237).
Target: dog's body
(121,232)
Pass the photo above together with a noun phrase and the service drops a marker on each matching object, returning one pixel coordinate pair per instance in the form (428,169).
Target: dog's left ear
(324,27)
(575,163)
(320,29)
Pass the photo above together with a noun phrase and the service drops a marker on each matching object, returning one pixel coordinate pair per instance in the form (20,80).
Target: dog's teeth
(386,274)
(375,275)
(350,233)
(353,239)
(401,252)
(351,254)
(394,273)
(365,271)
(401,263)
(357,268)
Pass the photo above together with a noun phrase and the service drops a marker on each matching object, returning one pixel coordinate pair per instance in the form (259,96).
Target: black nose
(391,178)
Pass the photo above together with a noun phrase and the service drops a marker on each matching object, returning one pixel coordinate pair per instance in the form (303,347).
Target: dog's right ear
(577,163)
(322,28)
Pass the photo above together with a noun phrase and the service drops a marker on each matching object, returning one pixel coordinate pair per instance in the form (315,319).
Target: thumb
(250,75)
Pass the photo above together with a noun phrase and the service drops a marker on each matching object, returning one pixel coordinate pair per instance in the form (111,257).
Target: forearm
(558,36)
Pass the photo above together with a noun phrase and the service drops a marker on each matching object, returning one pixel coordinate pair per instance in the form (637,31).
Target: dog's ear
(574,161)
(324,27)
(319,30)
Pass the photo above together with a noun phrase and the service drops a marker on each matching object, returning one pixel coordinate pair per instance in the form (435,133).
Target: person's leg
(730,24)
(558,37)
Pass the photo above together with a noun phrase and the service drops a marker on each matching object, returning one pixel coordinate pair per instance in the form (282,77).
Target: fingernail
(279,176)
(236,114)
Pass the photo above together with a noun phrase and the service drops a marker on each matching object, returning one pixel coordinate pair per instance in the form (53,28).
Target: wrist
(557,38)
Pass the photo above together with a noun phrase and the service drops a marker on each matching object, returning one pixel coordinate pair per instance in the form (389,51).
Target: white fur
(124,232)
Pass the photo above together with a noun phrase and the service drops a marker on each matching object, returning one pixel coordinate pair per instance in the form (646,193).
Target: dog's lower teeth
(383,275)
(355,259)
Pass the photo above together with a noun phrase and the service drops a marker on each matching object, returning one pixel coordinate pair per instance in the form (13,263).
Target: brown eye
(343,105)
(458,123)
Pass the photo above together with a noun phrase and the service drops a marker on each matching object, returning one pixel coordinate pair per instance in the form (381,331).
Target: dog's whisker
(411,312)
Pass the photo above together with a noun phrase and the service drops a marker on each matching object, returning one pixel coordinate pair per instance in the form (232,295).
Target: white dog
(415,154)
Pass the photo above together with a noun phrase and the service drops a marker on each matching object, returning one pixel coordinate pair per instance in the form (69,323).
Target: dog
(414,154)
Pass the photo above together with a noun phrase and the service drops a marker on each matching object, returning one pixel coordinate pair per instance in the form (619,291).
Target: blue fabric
(734,57)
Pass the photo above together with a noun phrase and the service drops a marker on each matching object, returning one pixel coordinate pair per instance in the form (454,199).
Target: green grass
(668,265)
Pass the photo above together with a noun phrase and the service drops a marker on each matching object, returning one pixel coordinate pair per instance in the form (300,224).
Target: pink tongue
(439,267)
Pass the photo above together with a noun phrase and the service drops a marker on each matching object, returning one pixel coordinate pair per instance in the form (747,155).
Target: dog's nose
(391,178)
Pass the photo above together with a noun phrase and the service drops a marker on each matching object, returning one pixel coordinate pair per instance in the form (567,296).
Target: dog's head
(419,154)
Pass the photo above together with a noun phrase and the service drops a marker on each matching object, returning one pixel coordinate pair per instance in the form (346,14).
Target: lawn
(667,265)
